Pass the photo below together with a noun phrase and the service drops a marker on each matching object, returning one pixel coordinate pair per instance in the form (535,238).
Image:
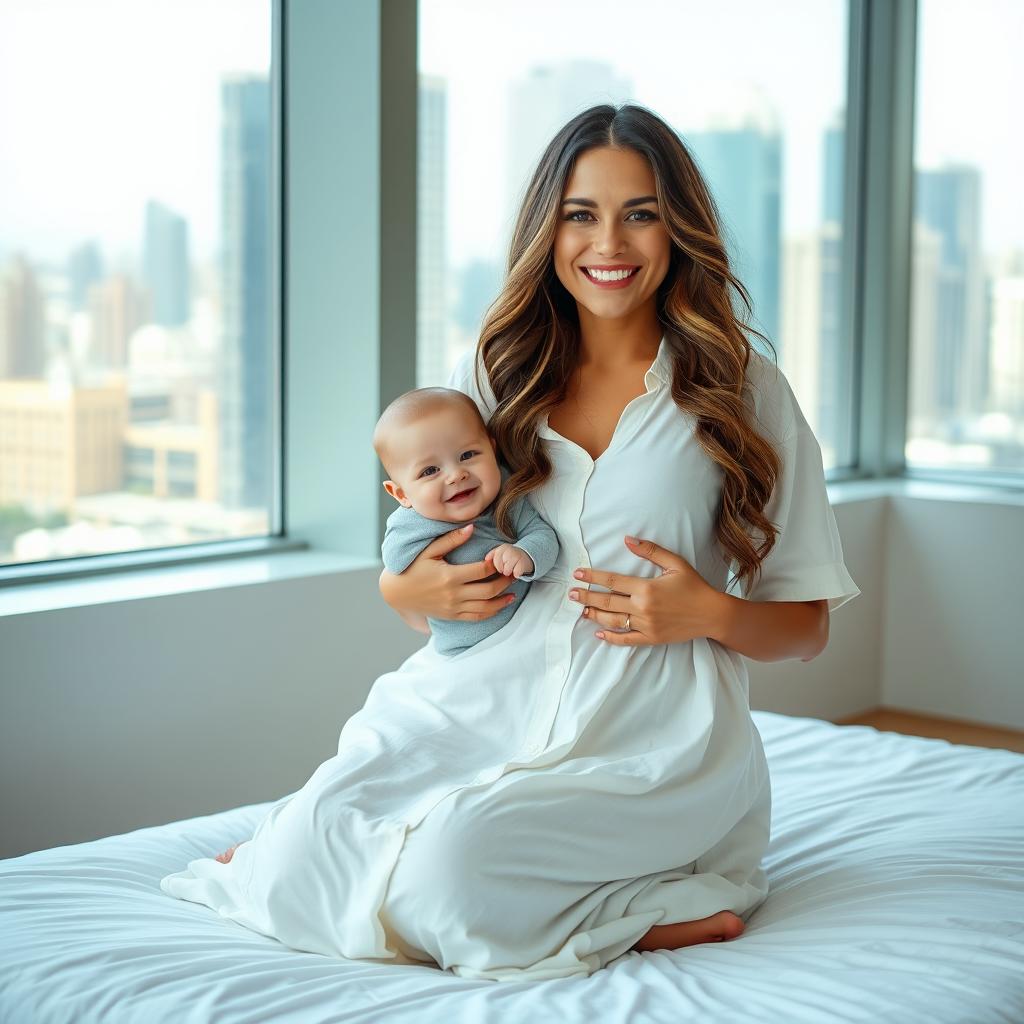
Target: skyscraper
(245,448)
(948,201)
(431,257)
(165,264)
(543,101)
(22,321)
(742,162)
(85,268)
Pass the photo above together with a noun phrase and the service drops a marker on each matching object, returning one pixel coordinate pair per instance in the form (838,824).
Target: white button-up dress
(529,808)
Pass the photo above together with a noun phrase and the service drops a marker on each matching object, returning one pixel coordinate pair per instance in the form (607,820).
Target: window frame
(343,352)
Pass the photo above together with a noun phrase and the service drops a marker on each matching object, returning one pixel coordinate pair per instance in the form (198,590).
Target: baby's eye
(429,471)
(470,453)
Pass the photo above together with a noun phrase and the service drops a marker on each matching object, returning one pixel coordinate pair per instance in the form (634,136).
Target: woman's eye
(578,216)
(643,215)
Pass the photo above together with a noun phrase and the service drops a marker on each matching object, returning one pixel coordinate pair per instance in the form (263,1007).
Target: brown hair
(529,342)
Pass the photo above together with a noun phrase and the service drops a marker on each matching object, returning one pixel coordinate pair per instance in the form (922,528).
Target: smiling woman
(611,239)
(556,796)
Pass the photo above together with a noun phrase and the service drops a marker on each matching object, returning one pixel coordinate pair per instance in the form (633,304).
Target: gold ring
(627,620)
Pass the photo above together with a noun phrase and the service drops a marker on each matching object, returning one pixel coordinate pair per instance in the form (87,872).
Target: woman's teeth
(609,275)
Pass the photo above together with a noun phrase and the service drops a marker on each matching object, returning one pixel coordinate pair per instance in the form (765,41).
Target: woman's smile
(619,275)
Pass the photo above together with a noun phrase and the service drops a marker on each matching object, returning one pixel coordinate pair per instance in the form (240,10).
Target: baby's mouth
(462,495)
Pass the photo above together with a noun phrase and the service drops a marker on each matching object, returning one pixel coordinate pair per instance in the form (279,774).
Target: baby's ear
(396,492)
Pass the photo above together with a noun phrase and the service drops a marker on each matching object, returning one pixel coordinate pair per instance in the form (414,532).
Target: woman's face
(611,248)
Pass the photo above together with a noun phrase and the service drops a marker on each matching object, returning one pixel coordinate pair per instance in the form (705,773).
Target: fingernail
(600,636)
(466,529)
(578,574)
(631,540)
(574,595)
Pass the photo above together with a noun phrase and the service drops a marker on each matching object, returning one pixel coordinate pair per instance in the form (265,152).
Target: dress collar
(659,372)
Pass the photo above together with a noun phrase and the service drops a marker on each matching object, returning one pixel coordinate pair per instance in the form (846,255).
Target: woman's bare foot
(718,927)
(227,854)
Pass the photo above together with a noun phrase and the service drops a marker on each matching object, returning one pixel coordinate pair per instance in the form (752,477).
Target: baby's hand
(510,560)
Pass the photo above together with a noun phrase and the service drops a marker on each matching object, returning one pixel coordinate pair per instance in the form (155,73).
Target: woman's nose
(609,242)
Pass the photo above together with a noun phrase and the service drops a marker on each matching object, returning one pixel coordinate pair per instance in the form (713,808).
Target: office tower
(948,202)
(834,160)
(431,258)
(85,268)
(741,158)
(925,418)
(165,265)
(541,103)
(1007,342)
(117,307)
(22,321)
(833,393)
(245,387)
(61,440)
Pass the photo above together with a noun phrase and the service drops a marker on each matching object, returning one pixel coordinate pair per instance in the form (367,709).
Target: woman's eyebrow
(639,201)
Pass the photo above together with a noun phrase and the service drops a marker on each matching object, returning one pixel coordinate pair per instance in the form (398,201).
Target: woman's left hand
(677,606)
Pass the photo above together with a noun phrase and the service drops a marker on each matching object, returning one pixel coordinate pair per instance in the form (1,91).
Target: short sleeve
(806,563)
(463,378)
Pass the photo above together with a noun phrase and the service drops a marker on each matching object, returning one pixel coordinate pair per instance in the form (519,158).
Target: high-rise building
(1007,343)
(948,201)
(117,307)
(833,393)
(431,258)
(741,159)
(85,268)
(245,390)
(543,101)
(22,322)
(834,160)
(165,264)
(59,440)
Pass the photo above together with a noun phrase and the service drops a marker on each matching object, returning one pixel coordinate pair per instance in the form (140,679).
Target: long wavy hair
(530,339)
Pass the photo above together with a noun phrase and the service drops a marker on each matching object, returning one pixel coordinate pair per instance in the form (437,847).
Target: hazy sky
(108,102)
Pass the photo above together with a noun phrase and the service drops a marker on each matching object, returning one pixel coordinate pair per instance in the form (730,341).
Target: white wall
(126,711)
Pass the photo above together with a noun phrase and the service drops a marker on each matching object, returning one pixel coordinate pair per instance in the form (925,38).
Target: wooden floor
(912,724)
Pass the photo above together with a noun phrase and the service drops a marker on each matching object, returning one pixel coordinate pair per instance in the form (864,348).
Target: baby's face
(444,465)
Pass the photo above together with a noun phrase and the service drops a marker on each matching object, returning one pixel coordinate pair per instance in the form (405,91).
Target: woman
(587,780)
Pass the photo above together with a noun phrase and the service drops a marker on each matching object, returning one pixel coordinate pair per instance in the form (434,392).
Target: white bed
(897,870)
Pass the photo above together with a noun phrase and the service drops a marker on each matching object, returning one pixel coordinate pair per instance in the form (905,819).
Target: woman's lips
(462,495)
(624,282)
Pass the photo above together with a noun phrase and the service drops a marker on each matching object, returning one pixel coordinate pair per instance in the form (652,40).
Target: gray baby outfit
(408,533)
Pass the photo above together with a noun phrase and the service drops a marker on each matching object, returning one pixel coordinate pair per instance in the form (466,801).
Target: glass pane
(136,372)
(966,398)
(758,94)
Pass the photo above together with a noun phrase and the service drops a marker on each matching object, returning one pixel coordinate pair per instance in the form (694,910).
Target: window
(757,92)
(137,354)
(966,398)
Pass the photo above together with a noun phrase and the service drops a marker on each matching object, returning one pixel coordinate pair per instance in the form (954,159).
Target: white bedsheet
(897,893)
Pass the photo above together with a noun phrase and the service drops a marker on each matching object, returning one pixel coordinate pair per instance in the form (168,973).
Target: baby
(444,471)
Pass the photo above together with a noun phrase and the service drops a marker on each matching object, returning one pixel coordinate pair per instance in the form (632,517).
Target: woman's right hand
(433,587)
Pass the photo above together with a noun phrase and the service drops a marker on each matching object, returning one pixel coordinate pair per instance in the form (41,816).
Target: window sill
(135,584)
(267,567)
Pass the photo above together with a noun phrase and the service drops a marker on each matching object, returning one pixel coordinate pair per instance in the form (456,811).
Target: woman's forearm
(771,630)
(414,619)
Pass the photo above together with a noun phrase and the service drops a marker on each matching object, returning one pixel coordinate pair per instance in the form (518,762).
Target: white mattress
(897,870)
